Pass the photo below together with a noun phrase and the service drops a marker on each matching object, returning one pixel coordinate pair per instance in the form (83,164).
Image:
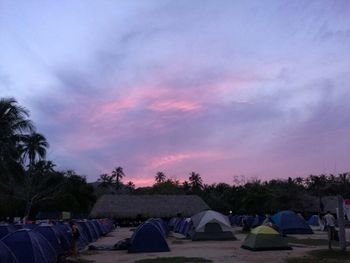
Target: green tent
(265,238)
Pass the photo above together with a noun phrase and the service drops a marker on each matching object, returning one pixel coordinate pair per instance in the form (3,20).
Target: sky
(228,89)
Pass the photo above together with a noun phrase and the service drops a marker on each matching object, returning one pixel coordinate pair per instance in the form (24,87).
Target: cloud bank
(218,87)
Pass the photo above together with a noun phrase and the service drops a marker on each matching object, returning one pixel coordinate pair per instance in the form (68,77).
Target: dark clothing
(75,233)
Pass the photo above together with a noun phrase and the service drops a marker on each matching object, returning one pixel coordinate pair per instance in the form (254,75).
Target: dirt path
(217,251)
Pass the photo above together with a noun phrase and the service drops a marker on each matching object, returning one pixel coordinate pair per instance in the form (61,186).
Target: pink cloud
(140,182)
(166,105)
(171,159)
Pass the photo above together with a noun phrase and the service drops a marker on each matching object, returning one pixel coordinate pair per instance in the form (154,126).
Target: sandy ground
(217,251)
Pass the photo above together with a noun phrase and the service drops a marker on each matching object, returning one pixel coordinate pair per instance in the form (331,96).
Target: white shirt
(329,220)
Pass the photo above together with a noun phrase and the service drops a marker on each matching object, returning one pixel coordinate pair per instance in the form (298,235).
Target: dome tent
(86,231)
(265,238)
(30,247)
(98,227)
(93,230)
(6,229)
(211,225)
(289,222)
(314,220)
(6,254)
(64,235)
(148,237)
(52,235)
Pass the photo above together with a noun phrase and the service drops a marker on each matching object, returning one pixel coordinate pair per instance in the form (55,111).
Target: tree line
(252,197)
(30,183)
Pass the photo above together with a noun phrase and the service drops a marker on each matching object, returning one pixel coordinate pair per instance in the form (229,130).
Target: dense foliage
(28,182)
(255,197)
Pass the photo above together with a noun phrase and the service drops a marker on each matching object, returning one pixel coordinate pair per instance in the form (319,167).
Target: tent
(211,225)
(314,220)
(258,220)
(235,220)
(148,238)
(289,222)
(178,224)
(161,224)
(6,229)
(64,234)
(83,238)
(6,255)
(86,231)
(93,229)
(172,222)
(52,235)
(30,247)
(187,225)
(107,225)
(265,238)
(98,227)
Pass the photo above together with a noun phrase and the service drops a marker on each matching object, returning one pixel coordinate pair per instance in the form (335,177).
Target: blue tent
(52,235)
(258,220)
(26,226)
(93,230)
(64,235)
(67,235)
(183,226)
(178,224)
(30,247)
(249,220)
(172,222)
(6,229)
(236,220)
(148,238)
(289,222)
(85,230)
(160,224)
(186,226)
(83,239)
(313,220)
(6,255)
(98,227)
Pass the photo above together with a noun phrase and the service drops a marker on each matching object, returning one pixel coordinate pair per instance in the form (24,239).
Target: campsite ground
(216,251)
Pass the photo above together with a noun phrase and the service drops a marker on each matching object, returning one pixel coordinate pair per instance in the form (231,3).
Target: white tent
(211,225)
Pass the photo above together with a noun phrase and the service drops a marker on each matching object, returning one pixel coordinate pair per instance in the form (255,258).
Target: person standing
(329,220)
(75,238)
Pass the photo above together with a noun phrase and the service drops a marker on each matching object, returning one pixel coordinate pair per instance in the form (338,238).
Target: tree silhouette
(105,180)
(195,181)
(130,186)
(160,177)
(14,123)
(34,147)
(117,175)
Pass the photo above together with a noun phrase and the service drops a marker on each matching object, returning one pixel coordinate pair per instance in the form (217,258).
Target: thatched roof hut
(146,206)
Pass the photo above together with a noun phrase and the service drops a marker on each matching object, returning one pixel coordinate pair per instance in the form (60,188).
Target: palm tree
(14,122)
(34,147)
(160,177)
(195,181)
(118,174)
(105,180)
(130,186)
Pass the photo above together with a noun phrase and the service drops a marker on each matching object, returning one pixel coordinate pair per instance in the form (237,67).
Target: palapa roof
(146,206)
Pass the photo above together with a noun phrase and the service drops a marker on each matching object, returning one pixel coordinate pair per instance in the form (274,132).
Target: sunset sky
(223,88)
